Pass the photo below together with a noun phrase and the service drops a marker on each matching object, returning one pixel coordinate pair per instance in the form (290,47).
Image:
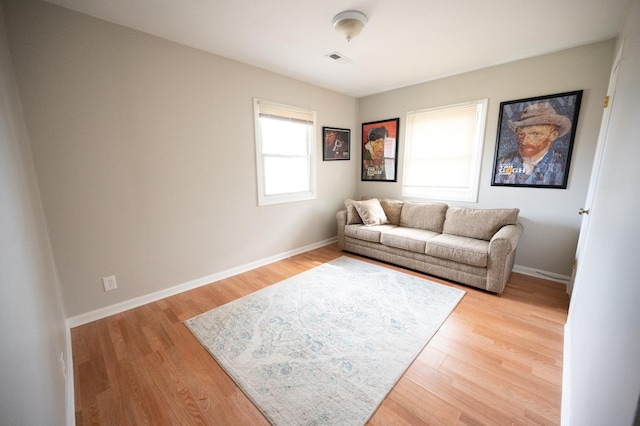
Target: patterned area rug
(326,346)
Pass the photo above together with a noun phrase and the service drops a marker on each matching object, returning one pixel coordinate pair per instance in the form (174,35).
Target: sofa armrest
(502,253)
(341,218)
(508,233)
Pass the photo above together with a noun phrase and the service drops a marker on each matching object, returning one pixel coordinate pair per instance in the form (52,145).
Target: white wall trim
(564,279)
(107,311)
(565,411)
(70,390)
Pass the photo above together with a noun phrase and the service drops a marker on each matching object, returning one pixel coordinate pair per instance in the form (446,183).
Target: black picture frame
(336,144)
(380,159)
(535,141)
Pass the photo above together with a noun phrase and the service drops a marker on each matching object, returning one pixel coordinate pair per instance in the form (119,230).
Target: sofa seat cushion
(366,233)
(407,238)
(469,251)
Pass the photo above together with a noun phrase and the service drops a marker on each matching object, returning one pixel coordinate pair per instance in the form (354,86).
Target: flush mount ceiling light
(349,23)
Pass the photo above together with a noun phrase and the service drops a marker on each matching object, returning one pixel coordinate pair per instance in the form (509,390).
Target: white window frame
(292,113)
(468,193)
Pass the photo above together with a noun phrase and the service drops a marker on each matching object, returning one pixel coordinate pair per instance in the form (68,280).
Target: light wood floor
(497,360)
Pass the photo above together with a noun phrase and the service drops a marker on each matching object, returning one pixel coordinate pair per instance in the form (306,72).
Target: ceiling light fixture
(349,23)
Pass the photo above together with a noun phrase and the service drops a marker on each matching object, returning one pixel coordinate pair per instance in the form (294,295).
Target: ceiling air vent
(338,57)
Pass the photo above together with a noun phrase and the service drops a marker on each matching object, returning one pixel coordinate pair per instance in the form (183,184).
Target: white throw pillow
(371,212)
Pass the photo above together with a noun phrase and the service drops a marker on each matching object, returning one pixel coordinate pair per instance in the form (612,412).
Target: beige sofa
(475,247)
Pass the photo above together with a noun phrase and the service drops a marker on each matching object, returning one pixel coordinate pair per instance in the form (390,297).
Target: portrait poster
(535,140)
(380,150)
(336,143)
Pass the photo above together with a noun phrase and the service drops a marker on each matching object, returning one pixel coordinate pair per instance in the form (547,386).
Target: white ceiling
(404,42)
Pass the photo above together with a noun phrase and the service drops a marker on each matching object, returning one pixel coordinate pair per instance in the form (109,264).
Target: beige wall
(549,216)
(32,323)
(144,150)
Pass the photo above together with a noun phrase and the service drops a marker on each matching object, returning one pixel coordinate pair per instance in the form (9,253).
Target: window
(285,153)
(443,152)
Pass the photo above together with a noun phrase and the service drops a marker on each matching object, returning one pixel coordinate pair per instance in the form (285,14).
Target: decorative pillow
(478,223)
(392,208)
(352,214)
(371,212)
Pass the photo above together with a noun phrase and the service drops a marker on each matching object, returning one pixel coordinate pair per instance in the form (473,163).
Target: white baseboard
(542,274)
(70,390)
(107,311)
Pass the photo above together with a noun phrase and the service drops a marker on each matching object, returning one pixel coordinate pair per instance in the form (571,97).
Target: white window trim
(264,199)
(467,195)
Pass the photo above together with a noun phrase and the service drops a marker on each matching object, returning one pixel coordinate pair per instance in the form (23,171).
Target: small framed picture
(535,140)
(380,150)
(335,144)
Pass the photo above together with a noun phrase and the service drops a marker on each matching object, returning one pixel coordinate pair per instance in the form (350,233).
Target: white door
(595,172)
(601,372)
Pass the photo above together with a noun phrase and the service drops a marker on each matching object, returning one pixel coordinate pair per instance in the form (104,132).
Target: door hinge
(606,101)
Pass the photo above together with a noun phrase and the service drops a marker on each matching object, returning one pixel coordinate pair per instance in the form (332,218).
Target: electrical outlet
(109,283)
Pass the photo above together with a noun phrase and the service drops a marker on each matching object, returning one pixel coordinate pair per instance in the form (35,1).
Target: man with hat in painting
(535,162)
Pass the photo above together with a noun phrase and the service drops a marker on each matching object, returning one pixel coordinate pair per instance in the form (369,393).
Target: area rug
(326,346)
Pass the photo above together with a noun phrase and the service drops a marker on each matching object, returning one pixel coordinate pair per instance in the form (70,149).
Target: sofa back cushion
(352,214)
(393,209)
(429,216)
(478,223)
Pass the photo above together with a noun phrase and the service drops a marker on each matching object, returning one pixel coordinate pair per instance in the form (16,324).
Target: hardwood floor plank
(165,378)
(113,409)
(432,410)
(144,402)
(497,360)
(496,385)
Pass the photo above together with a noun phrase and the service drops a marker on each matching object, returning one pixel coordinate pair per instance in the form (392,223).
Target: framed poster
(535,140)
(380,150)
(335,144)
